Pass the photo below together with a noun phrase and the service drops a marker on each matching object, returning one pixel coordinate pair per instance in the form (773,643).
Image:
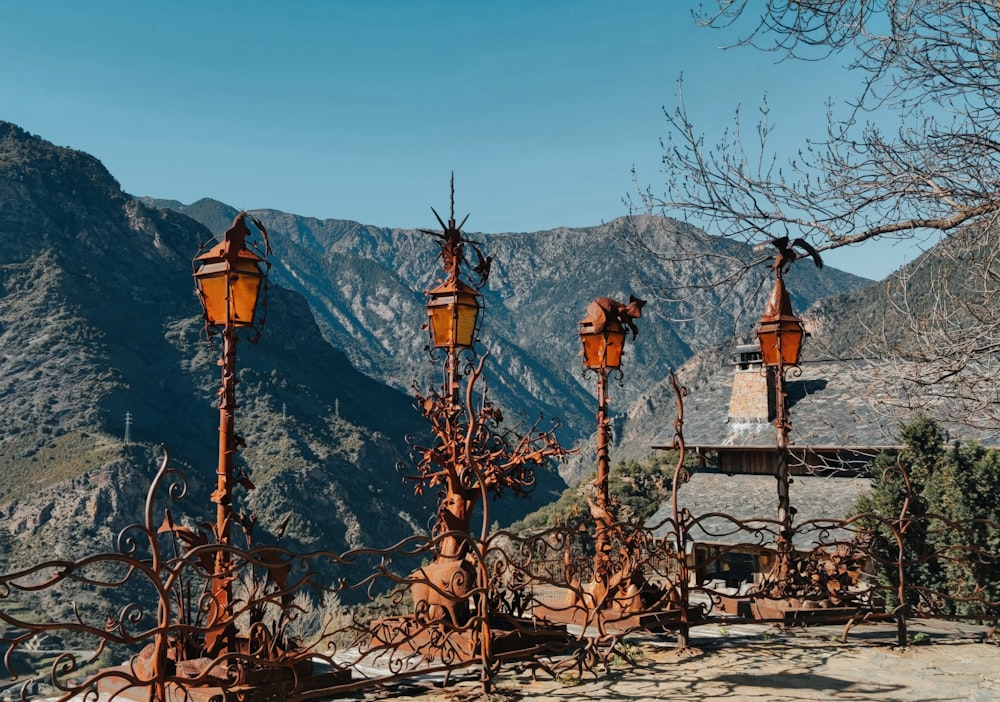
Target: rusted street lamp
(453,313)
(453,307)
(453,318)
(781,334)
(230,278)
(603,342)
(471,456)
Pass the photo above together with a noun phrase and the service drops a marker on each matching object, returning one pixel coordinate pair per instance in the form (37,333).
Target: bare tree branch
(912,156)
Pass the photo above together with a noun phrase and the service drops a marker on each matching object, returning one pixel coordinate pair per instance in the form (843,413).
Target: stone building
(836,424)
(837,429)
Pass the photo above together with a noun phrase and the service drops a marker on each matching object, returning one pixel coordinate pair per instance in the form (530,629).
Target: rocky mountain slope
(365,285)
(98,318)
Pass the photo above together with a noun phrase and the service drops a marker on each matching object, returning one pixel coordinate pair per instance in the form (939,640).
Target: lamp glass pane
(465,327)
(440,322)
(593,350)
(613,349)
(768,348)
(602,350)
(453,318)
(791,344)
(244,288)
(240,287)
(212,286)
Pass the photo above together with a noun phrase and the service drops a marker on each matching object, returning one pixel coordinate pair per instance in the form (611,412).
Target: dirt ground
(752,662)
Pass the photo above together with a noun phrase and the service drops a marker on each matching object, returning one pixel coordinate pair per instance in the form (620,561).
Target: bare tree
(935,349)
(913,156)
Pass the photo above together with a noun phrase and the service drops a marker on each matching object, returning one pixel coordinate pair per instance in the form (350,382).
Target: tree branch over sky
(913,156)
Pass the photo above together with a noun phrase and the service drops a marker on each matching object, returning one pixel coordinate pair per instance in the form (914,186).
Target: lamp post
(453,318)
(603,344)
(453,313)
(229,277)
(780,334)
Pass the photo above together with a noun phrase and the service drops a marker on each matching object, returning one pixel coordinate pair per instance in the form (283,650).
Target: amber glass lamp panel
(601,350)
(453,317)
(239,286)
(781,337)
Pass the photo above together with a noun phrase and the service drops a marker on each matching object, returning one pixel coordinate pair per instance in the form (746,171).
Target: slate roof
(748,497)
(832,405)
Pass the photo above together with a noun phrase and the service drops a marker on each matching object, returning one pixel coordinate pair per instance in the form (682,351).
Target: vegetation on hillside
(637,489)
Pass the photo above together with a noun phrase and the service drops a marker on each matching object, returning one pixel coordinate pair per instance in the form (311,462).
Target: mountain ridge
(98,317)
(540,285)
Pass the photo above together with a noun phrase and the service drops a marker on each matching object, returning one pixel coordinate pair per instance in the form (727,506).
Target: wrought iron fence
(532,598)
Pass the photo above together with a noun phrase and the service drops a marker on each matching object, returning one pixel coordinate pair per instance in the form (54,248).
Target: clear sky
(361,110)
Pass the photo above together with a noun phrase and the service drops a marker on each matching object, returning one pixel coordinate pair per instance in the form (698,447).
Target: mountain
(365,285)
(927,337)
(99,320)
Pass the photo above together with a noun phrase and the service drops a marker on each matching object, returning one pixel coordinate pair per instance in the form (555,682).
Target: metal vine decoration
(242,236)
(475,456)
(166,571)
(452,242)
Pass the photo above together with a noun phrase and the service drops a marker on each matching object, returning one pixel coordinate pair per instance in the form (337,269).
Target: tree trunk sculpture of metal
(473,455)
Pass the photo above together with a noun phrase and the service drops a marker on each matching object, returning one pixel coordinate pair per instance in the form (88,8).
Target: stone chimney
(753,397)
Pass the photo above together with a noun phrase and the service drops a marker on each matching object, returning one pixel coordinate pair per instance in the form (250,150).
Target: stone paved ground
(759,664)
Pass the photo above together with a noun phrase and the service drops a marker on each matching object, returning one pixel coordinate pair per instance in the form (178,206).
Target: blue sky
(361,110)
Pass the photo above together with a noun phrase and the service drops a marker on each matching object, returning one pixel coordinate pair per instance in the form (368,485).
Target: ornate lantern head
(453,315)
(602,349)
(229,278)
(780,331)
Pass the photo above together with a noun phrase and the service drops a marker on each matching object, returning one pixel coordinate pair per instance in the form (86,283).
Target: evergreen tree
(967,496)
(949,530)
